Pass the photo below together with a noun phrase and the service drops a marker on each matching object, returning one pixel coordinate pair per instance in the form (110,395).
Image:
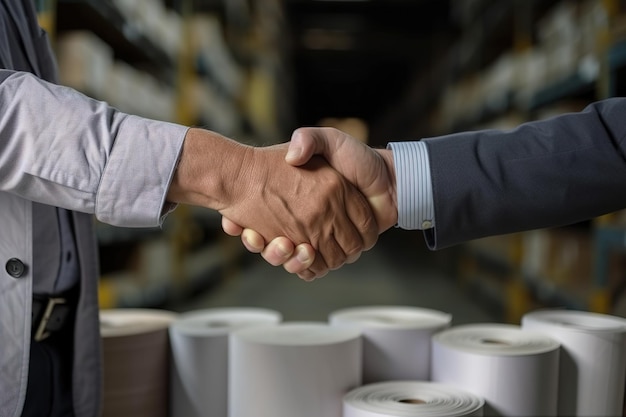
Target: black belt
(50,315)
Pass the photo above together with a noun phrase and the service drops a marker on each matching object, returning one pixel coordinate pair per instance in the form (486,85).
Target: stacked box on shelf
(509,82)
(460,104)
(138,92)
(569,44)
(568,105)
(497,84)
(554,265)
(559,264)
(85,62)
(265,99)
(560,37)
(122,86)
(211,109)
(260,102)
(164,27)
(531,75)
(130,9)
(130,53)
(498,249)
(594,22)
(213,56)
(152,19)
(573,36)
(216,90)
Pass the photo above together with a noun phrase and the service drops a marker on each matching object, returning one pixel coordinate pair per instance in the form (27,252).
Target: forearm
(61,148)
(208,169)
(542,174)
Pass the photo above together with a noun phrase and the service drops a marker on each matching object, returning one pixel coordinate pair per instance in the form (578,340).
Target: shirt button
(15,267)
(427,224)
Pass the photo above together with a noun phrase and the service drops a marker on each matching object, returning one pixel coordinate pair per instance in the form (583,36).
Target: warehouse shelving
(155,266)
(127,277)
(491,89)
(573,85)
(106,21)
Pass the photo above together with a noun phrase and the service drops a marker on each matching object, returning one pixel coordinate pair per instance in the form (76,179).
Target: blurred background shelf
(160,60)
(385,70)
(126,37)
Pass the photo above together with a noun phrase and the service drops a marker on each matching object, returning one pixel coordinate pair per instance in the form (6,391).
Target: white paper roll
(199,343)
(411,399)
(514,370)
(135,350)
(292,370)
(396,339)
(593,359)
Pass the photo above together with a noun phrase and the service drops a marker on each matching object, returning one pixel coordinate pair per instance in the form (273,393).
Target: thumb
(306,142)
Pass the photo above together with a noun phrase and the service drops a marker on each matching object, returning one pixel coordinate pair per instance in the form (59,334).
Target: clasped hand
(312,245)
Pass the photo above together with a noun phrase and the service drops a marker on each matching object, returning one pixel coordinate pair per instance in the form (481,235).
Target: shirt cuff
(138,173)
(414,185)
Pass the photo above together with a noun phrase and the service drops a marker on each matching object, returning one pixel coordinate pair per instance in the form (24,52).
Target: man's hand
(255,188)
(371,171)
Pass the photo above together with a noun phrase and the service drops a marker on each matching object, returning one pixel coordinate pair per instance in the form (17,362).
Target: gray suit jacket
(548,173)
(59,148)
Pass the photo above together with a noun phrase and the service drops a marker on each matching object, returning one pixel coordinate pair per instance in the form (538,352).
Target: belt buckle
(41,333)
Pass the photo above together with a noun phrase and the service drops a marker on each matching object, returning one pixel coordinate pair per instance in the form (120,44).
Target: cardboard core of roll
(412,401)
(495,342)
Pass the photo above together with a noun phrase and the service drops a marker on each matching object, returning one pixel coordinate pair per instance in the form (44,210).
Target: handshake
(311,205)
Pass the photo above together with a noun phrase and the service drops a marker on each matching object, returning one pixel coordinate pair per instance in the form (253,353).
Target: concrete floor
(399,270)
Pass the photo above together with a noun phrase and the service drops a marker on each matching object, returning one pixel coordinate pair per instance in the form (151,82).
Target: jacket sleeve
(542,174)
(61,148)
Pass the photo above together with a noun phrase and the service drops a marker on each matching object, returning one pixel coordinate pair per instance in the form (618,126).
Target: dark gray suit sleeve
(542,174)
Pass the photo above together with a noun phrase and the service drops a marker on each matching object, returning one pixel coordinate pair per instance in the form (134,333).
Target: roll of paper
(135,350)
(292,370)
(593,359)
(514,370)
(199,343)
(411,399)
(396,339)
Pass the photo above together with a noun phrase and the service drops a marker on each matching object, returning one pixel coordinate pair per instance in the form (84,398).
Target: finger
(278,251)
(363,219)
(332,252)
(320,274)
(319,267)
(301,260)
(231,228)
(307,275)
(338,149)
(253,241)
(354,228)
(352,259)
(306,142)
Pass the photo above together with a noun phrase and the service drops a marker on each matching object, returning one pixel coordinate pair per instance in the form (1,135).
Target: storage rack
(487,86)
(498,38)
(154,40)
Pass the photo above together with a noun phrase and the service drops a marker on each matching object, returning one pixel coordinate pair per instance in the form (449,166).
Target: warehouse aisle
(399,270)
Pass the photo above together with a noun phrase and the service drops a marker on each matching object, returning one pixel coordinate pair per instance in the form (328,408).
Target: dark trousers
(49,391)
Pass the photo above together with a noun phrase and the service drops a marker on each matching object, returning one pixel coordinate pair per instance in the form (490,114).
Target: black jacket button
(15,267)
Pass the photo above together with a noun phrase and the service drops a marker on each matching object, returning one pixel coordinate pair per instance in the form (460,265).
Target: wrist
(390,217)
(209,165)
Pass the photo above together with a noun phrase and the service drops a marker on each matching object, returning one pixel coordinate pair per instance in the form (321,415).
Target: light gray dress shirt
(59,148)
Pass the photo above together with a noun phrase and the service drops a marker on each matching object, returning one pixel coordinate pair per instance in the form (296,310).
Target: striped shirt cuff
(414,186)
